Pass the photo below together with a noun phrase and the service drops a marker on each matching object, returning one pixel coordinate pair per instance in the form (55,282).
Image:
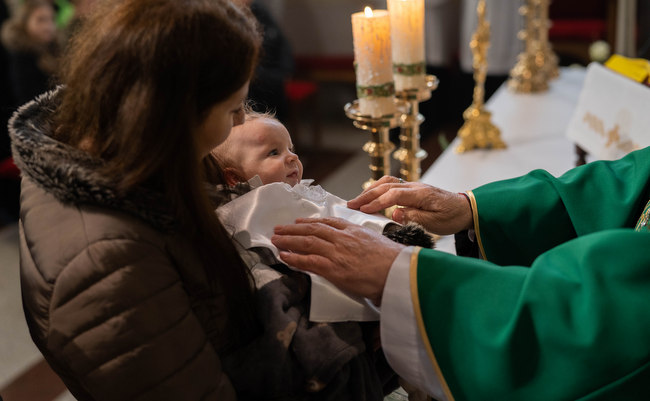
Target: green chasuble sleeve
(521,218)
(561,308)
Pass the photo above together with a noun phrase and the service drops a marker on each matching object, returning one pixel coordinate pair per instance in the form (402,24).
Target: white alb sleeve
(400,335)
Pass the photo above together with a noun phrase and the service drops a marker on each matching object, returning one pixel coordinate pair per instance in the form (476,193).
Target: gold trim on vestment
(472,201)
(418,318)
(642,223)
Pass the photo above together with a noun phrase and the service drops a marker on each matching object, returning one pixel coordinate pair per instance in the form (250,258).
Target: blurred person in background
(9,185)
(267,90)
(6,97)
(30,37)
(31,40)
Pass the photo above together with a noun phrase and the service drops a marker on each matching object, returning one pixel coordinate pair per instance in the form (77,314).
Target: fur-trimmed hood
(69,174)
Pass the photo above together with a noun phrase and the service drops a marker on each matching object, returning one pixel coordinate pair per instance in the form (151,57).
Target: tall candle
(407,33)
(373,63)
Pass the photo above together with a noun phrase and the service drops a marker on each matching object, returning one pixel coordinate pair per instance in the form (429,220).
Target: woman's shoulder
(89,274)
(57,234)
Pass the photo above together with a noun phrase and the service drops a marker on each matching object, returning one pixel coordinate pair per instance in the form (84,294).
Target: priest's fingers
(334,222)
(393,194)
(441,213)
(357,267)
(355,259)
(375,190)
(425,218)
(312,263)
(369,285)
(301,241)
(387,179)
(326,228)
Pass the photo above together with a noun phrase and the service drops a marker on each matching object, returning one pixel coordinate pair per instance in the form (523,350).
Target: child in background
(260,152)
(31,40)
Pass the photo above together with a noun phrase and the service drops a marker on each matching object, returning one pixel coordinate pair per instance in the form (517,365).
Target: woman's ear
(231,176)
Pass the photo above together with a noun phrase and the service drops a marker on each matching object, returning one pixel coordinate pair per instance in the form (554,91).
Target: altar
(533,126)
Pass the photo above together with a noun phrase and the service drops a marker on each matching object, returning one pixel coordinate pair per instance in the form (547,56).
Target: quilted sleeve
(121,323)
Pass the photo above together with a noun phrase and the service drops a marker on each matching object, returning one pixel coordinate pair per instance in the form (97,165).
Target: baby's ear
(231,176)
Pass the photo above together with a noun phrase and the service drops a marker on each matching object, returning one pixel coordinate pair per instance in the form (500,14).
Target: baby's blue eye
(274,152)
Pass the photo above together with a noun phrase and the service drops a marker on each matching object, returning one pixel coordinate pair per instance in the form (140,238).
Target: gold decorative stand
(551,61)
(478,132)
(410,154)
(537,64)
(379,147)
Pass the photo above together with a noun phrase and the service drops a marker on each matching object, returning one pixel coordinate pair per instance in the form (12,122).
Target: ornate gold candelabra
(379,147)
(550,61)
(537,64)
(478,131)
(409,153)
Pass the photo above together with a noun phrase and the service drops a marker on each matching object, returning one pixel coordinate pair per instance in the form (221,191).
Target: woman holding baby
(132,289)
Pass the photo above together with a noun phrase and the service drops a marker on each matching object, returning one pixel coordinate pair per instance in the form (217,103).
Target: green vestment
(560,310)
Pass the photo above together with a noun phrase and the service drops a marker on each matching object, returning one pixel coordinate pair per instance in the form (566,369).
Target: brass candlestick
(537,64)
(550,60)
(410,154)
(379,147)
(478,131)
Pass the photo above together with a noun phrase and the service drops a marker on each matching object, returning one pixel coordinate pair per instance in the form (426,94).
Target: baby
(261,146)
(259,153)
(255,157)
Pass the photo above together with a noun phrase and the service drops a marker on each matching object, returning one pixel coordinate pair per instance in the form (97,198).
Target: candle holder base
(478,132)
(410,154)
(379,147)
(528,76)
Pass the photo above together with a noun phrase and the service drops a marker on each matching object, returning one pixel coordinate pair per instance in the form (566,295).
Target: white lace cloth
(252,217)
(611,118)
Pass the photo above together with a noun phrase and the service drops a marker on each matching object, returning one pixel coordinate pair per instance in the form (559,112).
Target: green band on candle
(409,69)
(383,90)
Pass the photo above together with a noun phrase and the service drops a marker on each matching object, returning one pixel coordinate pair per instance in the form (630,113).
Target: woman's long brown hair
(140,77)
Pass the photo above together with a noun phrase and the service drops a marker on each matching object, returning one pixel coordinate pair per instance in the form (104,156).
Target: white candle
(373,63)
(407,33)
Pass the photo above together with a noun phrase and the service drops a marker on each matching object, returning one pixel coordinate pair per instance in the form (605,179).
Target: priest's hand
(352,257)
(439,211)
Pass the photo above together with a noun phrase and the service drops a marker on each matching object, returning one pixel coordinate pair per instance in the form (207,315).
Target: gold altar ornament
(478,132)
(550,60)
(537,64)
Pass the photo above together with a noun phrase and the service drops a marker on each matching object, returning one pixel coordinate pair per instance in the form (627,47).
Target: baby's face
(264,147)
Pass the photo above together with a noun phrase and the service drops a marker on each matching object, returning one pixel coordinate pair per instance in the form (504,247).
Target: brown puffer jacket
(105,281)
